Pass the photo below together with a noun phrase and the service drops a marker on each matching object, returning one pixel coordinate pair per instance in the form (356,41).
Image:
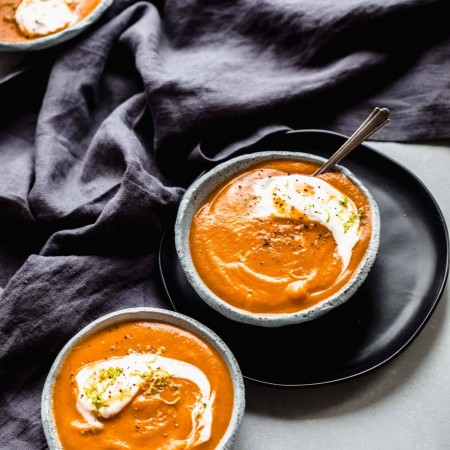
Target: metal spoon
(377,119)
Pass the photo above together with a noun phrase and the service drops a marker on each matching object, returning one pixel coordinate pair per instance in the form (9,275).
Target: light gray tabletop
(404,405)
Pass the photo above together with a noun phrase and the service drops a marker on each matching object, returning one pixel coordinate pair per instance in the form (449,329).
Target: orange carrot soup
(142,385)
(22,20)
(276,240)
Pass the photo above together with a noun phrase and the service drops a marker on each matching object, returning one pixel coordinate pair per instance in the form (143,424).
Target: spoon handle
(377,119)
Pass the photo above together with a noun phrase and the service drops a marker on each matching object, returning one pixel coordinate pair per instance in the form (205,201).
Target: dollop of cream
(42,17)
(105,387)
(294,196)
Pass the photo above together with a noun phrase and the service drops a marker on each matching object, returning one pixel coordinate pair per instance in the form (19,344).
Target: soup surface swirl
(24,20)
(275,240)
(140,385)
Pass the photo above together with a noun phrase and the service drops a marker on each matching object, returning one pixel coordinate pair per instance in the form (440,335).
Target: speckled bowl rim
(204,185)
(59,37)
(147,313)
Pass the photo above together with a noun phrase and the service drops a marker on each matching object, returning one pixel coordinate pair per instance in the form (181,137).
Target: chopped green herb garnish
(111,373)
(94,396)
(350,222)
(343,201)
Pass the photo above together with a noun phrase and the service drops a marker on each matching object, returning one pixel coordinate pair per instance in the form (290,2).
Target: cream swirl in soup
(41,17)
(105,387)
(25,20)
(292,196)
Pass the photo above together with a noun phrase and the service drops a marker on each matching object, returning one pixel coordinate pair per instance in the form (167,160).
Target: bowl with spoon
(277,238)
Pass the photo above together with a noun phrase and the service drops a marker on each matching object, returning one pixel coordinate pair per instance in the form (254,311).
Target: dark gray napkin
(99,137)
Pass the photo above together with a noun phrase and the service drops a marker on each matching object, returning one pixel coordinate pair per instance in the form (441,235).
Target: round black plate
(379,321)
(20,68)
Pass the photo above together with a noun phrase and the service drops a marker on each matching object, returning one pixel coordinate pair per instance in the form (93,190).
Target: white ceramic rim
(60,36)
(197,193)
(138,314)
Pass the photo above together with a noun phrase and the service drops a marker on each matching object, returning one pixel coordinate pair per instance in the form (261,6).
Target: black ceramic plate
(20,68)
(379,321)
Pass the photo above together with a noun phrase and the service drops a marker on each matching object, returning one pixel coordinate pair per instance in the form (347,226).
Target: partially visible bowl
(197,193)
(146,314)
(59,37)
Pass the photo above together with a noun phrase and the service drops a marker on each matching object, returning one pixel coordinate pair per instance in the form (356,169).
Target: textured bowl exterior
(199,191)
(138,314)
(59,37)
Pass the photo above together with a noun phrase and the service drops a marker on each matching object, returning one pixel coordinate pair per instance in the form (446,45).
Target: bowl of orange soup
(27,25)
(143,378)
(265,243)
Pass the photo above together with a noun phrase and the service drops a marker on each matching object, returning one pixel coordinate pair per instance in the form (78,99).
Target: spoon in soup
(377,119)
